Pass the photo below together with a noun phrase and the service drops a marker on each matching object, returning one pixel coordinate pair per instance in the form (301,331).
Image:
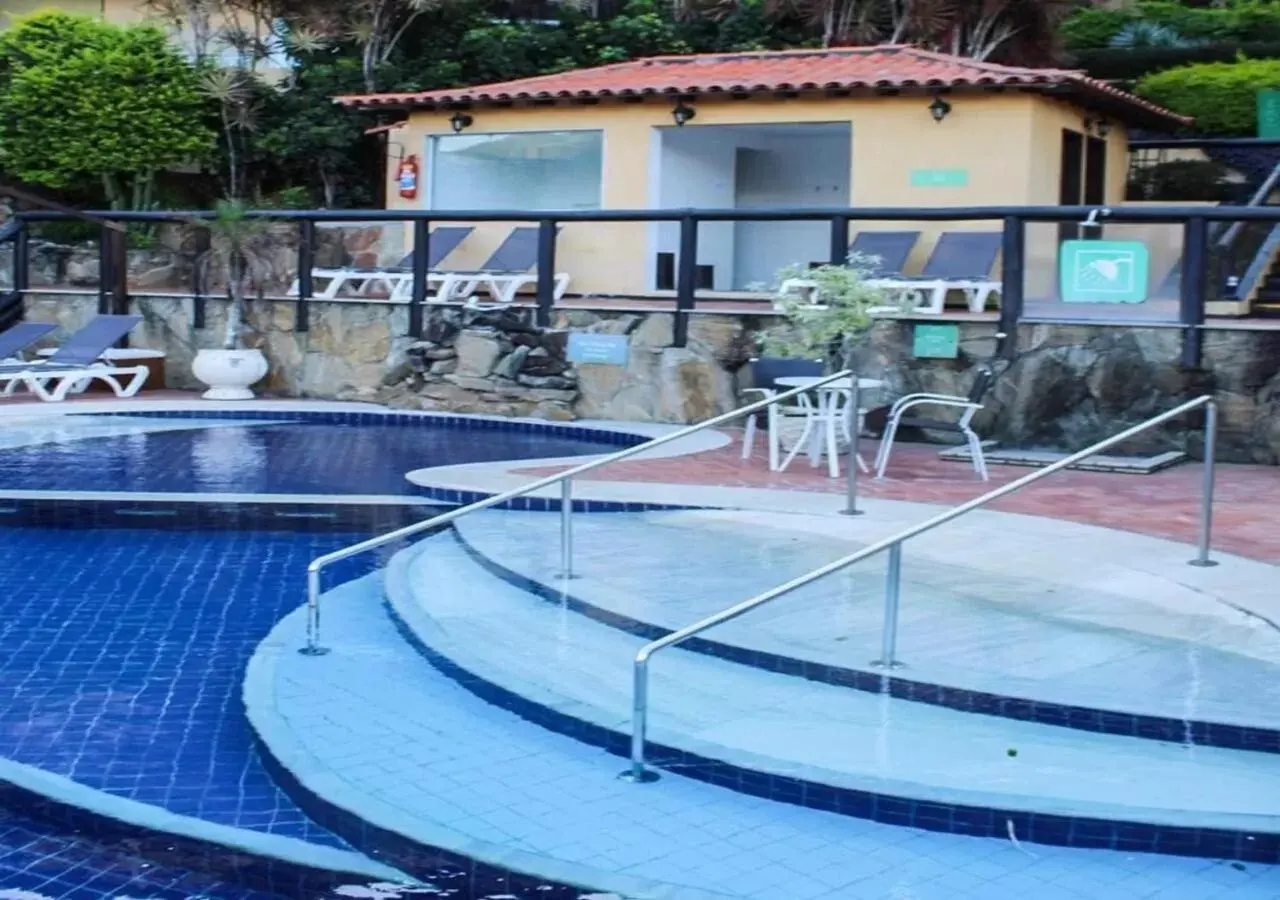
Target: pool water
(291,455)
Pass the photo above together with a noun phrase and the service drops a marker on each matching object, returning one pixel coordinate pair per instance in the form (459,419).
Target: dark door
(1071,179)
(1095,172)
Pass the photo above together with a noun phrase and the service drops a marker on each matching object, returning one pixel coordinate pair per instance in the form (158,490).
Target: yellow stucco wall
(1009,145)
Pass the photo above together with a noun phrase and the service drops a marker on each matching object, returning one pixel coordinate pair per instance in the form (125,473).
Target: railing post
(546,271)
(566,529)
(106,268)
(1206,496)
(637,772)
(1012,266)
(686,278)
(21,259)
(1195,259)
(839,240)
(892,590)
(306,262)
(312,647)
(198,286)
(421,256)
(855,426)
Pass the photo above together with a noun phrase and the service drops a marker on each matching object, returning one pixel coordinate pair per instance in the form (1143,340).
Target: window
(532,170)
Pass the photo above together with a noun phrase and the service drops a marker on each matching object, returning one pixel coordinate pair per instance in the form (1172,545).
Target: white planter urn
(229,372)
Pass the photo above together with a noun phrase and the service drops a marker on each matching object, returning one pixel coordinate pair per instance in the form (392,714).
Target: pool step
(818,745)
(999,618)
(409,758)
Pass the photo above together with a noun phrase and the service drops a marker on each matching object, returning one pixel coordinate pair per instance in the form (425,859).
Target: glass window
(519,170)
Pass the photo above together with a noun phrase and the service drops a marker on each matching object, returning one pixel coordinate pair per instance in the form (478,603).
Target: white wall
(779,169)
(751,166)
(696,170)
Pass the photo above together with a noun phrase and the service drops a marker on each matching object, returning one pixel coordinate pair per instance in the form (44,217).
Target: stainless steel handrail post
(1202,559)
(855,426)
(893,543)
(313,648)
(892,593)
(566,529)
(638,772)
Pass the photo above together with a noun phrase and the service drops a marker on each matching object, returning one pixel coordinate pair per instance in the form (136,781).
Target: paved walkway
(1163,504)
(413,751)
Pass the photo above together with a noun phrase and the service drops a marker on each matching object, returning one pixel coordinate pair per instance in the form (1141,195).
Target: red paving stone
(1165,504)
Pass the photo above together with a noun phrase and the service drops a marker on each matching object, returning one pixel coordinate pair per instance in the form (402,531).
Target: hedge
(1222,97)
(1255,21)
(1130,64)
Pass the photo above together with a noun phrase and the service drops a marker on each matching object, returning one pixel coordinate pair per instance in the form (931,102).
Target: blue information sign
(598,349)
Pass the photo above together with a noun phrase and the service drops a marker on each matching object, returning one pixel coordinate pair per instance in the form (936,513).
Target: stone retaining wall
(1068,387)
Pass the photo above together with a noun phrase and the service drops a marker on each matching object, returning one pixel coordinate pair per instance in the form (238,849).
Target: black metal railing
(1194,221)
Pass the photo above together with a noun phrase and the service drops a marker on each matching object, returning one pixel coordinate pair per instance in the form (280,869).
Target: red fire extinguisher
(407,177)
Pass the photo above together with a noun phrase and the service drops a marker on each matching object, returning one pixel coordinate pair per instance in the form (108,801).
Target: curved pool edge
(250,857)
(379,829)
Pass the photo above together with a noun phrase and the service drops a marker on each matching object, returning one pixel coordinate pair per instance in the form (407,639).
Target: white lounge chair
(501,277)
(395,281)
(960,261)
(76,363)
(19,337)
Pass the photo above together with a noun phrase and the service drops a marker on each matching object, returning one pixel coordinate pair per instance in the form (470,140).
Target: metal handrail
(640,701)
(1259,198)
(565,479)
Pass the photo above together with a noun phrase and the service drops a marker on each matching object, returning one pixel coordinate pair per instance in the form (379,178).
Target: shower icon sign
(1103,271)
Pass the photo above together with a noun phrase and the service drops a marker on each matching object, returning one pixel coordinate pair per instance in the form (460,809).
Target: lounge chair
(21,336)
(960,261)
(77,362)
(501,277)
(878,254)
(968,406)
(397,280)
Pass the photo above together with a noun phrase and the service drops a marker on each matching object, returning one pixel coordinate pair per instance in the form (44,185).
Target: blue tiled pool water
(297,453)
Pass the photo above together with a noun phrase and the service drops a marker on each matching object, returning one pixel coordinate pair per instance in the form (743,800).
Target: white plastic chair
(968,406)
(764,374)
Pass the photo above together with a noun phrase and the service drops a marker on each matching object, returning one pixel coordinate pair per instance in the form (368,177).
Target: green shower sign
(940,178)
(1104,271)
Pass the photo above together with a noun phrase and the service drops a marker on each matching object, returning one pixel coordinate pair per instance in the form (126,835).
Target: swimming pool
(285,453)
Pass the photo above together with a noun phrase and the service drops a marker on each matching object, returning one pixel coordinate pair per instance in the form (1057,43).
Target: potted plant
(825,310)
(239,255)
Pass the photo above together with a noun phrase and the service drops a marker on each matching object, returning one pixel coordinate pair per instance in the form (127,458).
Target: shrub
(1182,180)
(1256,21)
(1222,97)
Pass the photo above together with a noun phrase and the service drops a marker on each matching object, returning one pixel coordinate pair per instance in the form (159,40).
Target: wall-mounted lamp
(939,108)
(459,121)
(1100,127)
(682,113)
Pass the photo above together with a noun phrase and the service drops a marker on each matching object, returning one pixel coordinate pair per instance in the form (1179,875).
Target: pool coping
(248,857)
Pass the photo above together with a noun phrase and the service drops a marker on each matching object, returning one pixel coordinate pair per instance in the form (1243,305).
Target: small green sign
(1268,114)
(940,178)
(936,341)
(1103,271)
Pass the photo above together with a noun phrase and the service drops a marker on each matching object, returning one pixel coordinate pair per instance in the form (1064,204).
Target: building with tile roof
(884,126)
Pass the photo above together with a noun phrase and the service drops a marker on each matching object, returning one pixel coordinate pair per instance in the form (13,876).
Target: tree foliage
(84,101)
(1221,96)
(1095,28)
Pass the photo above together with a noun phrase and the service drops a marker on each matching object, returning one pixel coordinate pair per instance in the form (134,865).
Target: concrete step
(997,613)
(409,758)
(820,745)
